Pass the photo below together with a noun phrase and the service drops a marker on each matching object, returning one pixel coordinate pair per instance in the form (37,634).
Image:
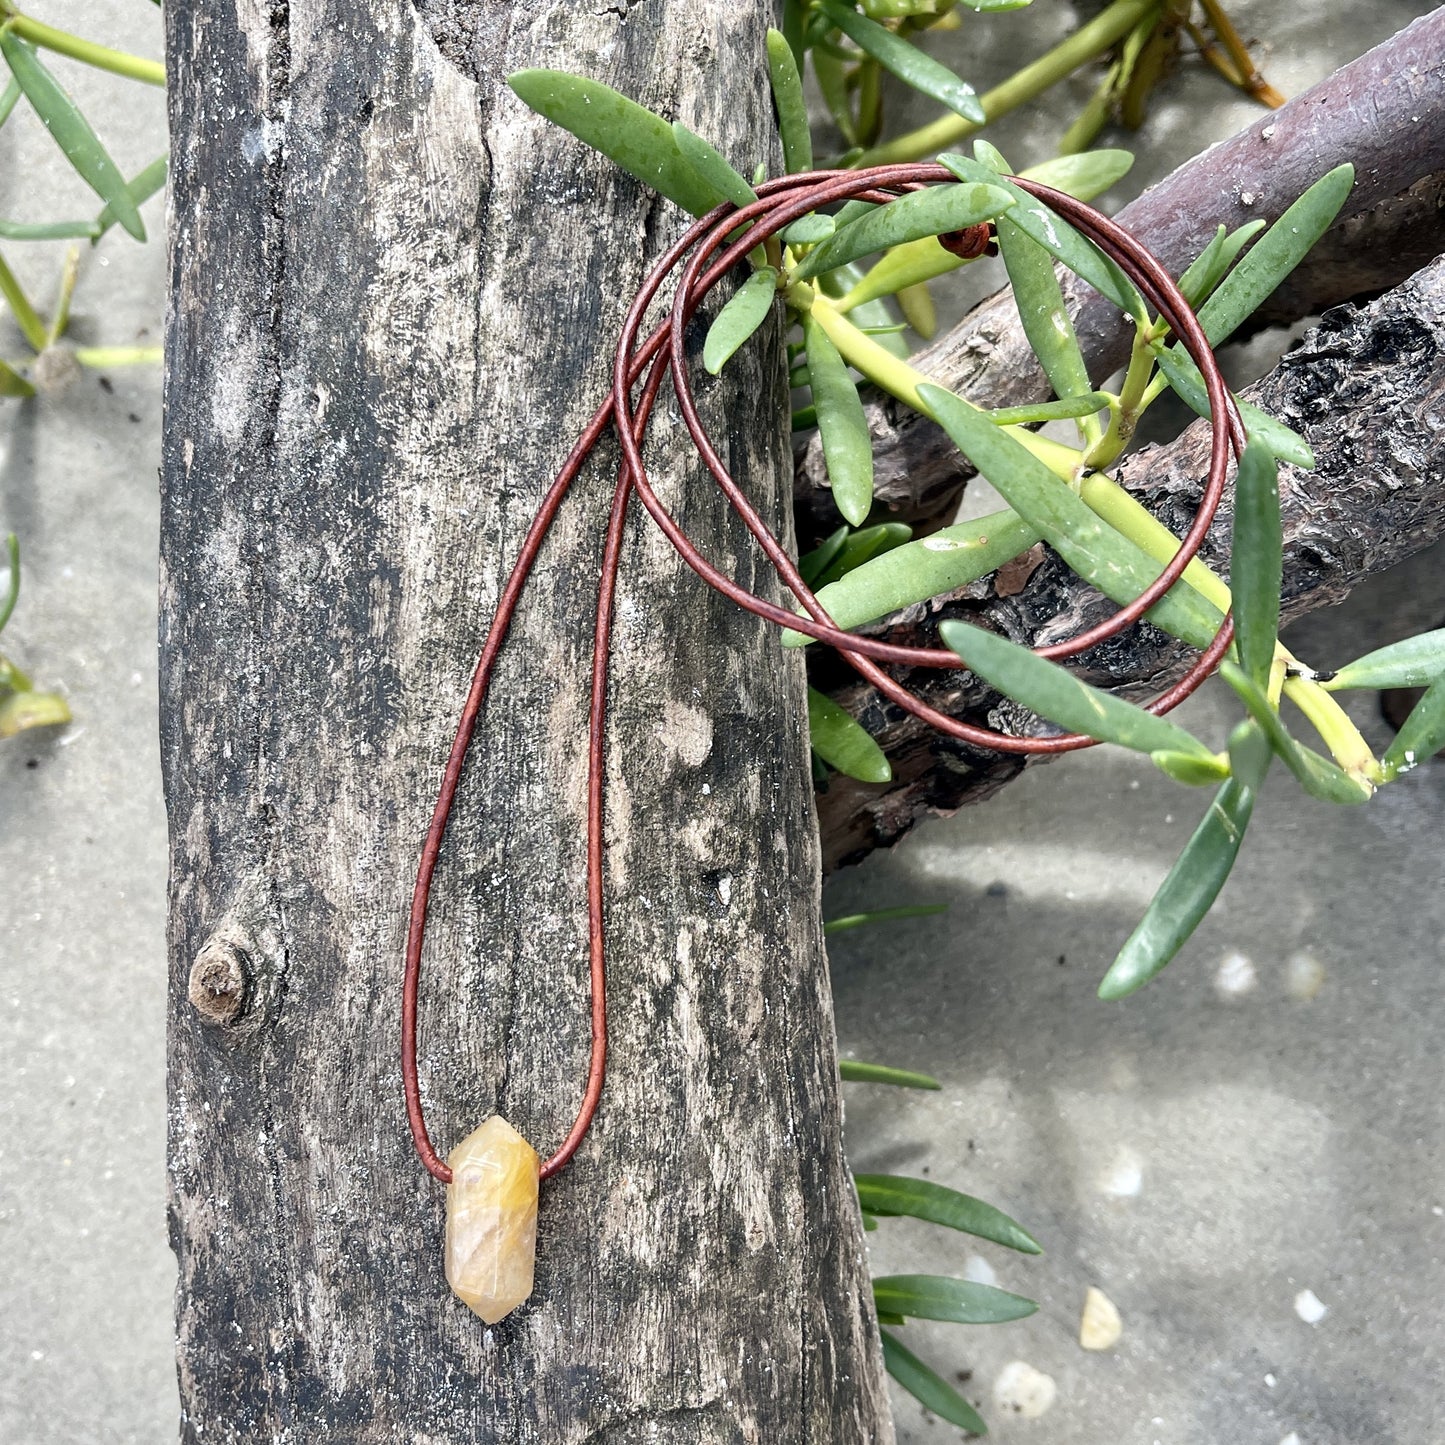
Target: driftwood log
(1366,388)
(393,292)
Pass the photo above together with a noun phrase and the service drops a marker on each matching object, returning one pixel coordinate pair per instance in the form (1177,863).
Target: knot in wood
(220,983)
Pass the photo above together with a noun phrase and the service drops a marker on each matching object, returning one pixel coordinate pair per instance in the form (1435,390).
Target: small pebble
(1309,1307)
(1022,1390)
(1235,976)
(1100,1326)
(1124,1175)
(1290,1439)
(1304,976)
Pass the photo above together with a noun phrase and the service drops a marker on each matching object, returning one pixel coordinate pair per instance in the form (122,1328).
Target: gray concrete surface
(86,1279)
(1203,1157)
(1264,1119)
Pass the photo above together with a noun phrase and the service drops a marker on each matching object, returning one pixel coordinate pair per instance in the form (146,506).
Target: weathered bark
(393,292)
(1384,112)
(1366,388)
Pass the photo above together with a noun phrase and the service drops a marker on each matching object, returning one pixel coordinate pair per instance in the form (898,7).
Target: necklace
(493,1175)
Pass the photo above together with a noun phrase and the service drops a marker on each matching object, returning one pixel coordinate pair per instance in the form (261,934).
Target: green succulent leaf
(930,212)
(908,63)
(9,97)
(1083,175)
(937,1297)
(883,915)
(1063,409)
(928,1387)
(712,166)
(747,308)
(12,580)
(1185,379)
(941,562)
(48,231)
(1041,309)
(141,187)
(842,424)
(1415,662)
(1257,562)
(1057,237)
(1194,881)
(828,69)
(794,17)
(1282,247)
(907,265)
(634,138)
(1190,768)
(1317,775)
(891,1195)
(1099,554)
(792,109)
(1239,294)
(853,1072)
(1037,295)
(22,711)
(71,131)
(863,546)
(1422,734)
(843,743)
(1207,269)
(1055,693)
(812,564)
(12,383)
(809,230)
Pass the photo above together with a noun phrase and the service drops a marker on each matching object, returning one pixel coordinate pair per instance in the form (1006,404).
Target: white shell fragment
(1100,1326)
(1304,976)
(1235,976)
(1024,1391)
(1309,1307)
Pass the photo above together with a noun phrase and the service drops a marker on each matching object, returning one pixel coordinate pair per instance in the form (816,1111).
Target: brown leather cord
(663,353)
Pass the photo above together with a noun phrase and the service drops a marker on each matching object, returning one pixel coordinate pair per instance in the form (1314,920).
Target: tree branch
(1366,388)
(1385,112)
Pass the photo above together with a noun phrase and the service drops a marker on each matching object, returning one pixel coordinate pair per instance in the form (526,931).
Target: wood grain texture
(393,293)
(1366,388)
(1384,112)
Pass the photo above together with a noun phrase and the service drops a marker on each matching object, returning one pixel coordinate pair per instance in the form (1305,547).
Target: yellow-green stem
(1087,42)
(103,356)
(1250,80)
(1125,417)
(62,42)
(12,678)
(895,376)
(1127,515)
(60,318)
(1335,728)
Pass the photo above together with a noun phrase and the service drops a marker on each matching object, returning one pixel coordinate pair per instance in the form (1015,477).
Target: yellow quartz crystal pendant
(492,1219)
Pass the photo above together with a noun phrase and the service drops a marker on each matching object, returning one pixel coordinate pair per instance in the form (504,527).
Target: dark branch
(1365,388)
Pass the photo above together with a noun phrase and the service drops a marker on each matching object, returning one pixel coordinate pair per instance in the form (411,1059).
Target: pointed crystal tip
(491,1245)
